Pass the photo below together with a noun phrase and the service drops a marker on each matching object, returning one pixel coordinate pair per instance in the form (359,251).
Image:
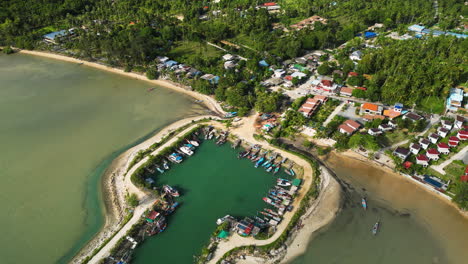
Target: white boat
(193,142)
(186,150)
(174,157)
(283,182)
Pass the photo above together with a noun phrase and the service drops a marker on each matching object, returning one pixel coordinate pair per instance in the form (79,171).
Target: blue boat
(259,162)
(364,203)
(265,163)
(292,172)
(276,170)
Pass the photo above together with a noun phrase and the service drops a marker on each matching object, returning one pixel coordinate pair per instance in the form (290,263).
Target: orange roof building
(372,109)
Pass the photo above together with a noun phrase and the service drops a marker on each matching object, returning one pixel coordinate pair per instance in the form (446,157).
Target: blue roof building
(416,28)
(455,99)
(170,63)
(370,34)
(52,37)
(263,63)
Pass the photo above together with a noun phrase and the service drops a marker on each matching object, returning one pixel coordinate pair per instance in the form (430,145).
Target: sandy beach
(207,100)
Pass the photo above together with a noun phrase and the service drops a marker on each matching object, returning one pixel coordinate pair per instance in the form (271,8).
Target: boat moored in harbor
(375,229)
(171,191)
(364,203)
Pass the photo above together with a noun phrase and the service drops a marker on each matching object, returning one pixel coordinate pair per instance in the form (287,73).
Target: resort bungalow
(415,148)
(462,135)
(385,127)
(432,154)
(356,55)
(422,160)
(459,122)
(349,127)
(413,117)
(372,109)
(374,131)
(392,124)
(211,78)
(424,143)
(446,124)
(401,152)
(453,141)
(346,91)
(442,131)
(443,148)
(455,99)
(434,138)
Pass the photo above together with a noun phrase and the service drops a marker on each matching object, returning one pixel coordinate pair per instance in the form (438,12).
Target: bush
(8,50)
(152,74)
(132,200)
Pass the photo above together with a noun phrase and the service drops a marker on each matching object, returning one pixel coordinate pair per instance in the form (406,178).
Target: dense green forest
(131,34)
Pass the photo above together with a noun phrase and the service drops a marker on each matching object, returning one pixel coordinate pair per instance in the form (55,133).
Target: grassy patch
(432,104)
(190,48)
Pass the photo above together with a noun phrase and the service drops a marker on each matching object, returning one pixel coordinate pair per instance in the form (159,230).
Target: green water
(61,125)
(213,183)
(416,227)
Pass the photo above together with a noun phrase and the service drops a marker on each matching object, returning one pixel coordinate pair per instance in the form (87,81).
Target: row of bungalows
(177,68)
(310,106)
(349,127)
(420,31)
(382,128)
(433,138)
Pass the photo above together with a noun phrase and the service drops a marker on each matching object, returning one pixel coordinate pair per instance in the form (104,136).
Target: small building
(346,91)
(374,131)
(54,37)
(356,55)
(432,154)
(162,59)
(455,99)
(278,73)
(349,127)
(453,141)
(459,120)
(462,135)
(446,124)
(309,22)
(416,28)
(170,63)
(372,109)
(228,57)
(370,34)
(298,75)
(392,124)
(353,74)
(442,131)
(211,78)
(412,116)
(394,112)
(464,177)
(228,65)
(263,63)
(385,127)
(401,152)
(443,148)
(422,160)
(415,148)
(434,138)
(424,143)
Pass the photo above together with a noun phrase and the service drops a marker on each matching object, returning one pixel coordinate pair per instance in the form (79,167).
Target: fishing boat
(269,169)
(166,165)
(186,150)
(283,182)
(193,142)
(159,169)
(364,203)
(175,157)
(375,229)
(172,208)
(259,162)
(171,191)
(292,172)
(276,170)
(287,172)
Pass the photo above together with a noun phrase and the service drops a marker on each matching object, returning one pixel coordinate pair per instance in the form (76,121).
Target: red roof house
(462,134)
(453,141)
(432,154)
(407,164)
(362,88)
(327,83)
(269,4)
(443,148)
(353,74)
(422,160)
(309,107)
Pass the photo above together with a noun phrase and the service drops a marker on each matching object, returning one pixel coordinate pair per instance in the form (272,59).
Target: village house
(372,109)
(309,22)
(228,57)
(462,135)
(346,91)
(464,177)
(401,152)
(424,143)
(412,116)
(442,131)
(327,85)
(278,73)
(422,160)
(349,127)
(453,141)
(446,124)
(393,112)
(455,99)
(356,55)
(443,148)
(432,154)
(434,138)
(162,59)
(54,37)
(459,120)
(211,78)
(374,131)
(393,124)
(415,148)
(385,127)
(228,65)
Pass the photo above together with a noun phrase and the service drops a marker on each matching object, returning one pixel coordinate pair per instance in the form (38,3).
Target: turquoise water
(61,126)
(212,183)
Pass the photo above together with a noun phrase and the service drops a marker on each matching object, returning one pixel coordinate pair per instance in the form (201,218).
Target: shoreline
(208,101)
(353,155)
